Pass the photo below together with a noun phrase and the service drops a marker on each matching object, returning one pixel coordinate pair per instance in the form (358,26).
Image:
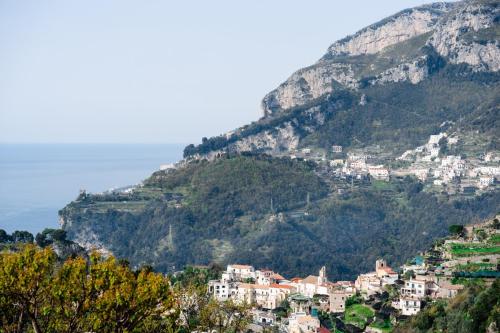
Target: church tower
(322,275)
(380,266)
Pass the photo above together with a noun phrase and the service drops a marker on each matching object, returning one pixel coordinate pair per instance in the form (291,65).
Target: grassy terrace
(466,250)
(476,266)
(358,314)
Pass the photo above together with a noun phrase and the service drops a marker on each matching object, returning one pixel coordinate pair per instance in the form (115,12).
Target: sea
(37,180)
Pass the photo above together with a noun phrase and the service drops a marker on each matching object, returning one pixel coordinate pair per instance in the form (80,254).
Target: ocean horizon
(37,180)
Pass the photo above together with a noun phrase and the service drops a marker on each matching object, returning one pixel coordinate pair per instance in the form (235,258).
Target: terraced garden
(476,266)
(472,249)
(358,315)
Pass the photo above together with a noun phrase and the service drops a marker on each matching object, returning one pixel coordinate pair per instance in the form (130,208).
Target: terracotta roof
(449,286)
(323,330)
(282,286)
(311,279)
(277,276)
(296,279)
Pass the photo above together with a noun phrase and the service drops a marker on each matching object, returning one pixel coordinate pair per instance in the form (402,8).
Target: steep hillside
(268,212)
(391,84)
(372,151)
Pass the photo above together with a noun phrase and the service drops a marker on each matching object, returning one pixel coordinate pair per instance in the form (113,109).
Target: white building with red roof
(237,272)
(371,283)
(242,283)
(313,285)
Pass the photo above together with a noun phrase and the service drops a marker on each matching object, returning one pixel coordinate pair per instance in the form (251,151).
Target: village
(439,164)
(376,301)
(446,163)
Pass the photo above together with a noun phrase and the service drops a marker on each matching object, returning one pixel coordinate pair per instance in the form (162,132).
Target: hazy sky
(157,71)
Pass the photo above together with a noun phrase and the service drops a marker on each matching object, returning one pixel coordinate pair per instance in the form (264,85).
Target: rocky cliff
(426,64)
(463,32)
(469,34)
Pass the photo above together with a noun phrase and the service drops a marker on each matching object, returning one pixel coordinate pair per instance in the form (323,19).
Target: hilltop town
(454,163)
(376,301)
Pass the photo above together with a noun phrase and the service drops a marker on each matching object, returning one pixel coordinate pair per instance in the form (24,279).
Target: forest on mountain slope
(269,212)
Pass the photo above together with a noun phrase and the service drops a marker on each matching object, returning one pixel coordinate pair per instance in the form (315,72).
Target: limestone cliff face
(319,79)
(282,138)
(395,29)
(413,72)
(461,32)
(86,238)
(467,35)
(412,47)
(309,83)
(271,141)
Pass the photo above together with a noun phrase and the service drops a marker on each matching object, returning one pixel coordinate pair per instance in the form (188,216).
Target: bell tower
(322,275)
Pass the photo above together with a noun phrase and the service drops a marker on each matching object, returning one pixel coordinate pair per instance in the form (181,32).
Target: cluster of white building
(480,173)
(266,290)
(374,282)
(417,288)
(357,166)
(427,152)
(242,283)
(451,169)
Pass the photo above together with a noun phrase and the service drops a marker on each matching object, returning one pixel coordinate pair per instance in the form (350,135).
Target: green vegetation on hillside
(465,250)
(358,315)
(473,310)
(253,209)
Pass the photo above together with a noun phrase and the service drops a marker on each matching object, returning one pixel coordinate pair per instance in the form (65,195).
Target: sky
(120,71)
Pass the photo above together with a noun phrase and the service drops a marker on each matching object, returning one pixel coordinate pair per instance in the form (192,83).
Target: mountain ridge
(373,149)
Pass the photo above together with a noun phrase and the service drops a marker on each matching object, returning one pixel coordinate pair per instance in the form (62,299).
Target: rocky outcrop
(450,36)
(408,47)
(413,72)
(283,138)
(309,83)
(395,29)
(332,73)
(461,32)
(273,141)
(85,238)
